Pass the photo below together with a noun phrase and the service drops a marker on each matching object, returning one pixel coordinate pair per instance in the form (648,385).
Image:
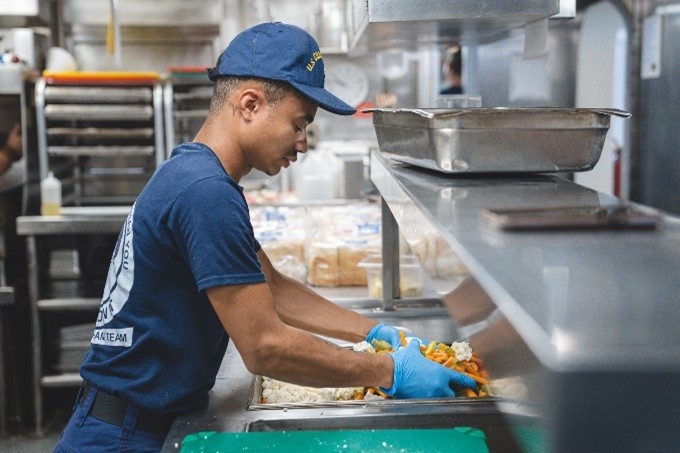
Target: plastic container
(50,195)
(320,176)
(410,272)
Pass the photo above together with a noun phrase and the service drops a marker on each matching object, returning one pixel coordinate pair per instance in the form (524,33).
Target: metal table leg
(6,299)
(33,292)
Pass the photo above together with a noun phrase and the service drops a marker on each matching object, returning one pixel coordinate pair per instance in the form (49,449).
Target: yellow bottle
(50,195)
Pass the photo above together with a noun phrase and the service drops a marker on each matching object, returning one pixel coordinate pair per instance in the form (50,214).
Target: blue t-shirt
(157,342)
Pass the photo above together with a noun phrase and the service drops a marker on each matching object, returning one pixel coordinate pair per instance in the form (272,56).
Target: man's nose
(301,144)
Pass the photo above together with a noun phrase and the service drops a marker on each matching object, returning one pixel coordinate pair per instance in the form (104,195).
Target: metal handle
(613,112)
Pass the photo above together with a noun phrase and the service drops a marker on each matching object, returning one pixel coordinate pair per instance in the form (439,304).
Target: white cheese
(462,349)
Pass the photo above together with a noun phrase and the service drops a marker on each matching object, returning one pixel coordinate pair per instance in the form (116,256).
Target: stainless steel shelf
(71,303)
(595,312)
(97,94)
(101,150)
(100,132)
(88,112)
(427,10)
(382,23)
(76,220)
(61,380)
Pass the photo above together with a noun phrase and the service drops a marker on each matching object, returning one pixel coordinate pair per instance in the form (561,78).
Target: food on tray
(457,356)
(277,392)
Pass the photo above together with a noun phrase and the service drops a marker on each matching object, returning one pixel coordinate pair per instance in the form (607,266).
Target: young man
(187,275)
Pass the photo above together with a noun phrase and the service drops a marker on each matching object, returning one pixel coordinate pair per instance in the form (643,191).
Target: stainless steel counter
(75,220)
(598,310)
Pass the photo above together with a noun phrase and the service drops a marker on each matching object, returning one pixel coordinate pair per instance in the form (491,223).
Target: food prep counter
(231,407)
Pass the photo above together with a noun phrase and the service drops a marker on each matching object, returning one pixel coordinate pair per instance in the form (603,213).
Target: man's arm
(301,307)
(273,348)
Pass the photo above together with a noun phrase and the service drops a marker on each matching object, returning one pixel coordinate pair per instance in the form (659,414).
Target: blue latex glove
(385,333)
(415,376)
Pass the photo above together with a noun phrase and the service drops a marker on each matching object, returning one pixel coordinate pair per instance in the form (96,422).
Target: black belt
(111,409)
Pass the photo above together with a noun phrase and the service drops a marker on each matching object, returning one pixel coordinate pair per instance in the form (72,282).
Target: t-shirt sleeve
(211,226)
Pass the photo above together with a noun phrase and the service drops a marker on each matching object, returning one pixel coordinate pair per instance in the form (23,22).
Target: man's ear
(250,102)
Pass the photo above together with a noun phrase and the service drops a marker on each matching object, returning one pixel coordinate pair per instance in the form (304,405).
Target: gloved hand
(415,376)
(386,333)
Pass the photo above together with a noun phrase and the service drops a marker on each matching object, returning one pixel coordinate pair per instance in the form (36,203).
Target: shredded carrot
(402,337)
(469,392)
(450,362)
(469,368)
(477,378)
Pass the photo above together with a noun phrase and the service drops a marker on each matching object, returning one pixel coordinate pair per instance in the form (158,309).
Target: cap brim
(325,99)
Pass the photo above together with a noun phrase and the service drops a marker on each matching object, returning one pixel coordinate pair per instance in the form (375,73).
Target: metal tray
(255,401)
(491,140)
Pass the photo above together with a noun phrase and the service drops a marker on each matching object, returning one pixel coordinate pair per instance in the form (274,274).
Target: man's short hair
(274,90)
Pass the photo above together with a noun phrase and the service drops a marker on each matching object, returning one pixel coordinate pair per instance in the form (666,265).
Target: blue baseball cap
(280,52)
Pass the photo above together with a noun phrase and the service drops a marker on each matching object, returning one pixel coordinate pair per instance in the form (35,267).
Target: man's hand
(415,376)
(386,333)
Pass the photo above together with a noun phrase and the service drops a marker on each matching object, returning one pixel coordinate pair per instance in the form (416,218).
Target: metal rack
(73,221)
(186,99)
(103,140)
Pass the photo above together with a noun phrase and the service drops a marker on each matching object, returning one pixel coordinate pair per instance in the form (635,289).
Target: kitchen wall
(504,78)
(161,33)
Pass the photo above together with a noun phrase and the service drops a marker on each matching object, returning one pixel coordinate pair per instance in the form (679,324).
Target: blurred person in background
(11,149)
(452,69)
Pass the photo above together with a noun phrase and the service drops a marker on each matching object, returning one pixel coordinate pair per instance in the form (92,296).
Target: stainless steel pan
(507,140)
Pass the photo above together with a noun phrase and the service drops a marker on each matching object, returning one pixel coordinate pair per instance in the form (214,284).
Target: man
(187,275)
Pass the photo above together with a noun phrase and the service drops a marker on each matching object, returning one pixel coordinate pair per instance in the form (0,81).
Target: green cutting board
(450,440)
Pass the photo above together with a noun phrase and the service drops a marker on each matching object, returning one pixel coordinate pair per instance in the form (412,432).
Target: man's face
(280,134)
